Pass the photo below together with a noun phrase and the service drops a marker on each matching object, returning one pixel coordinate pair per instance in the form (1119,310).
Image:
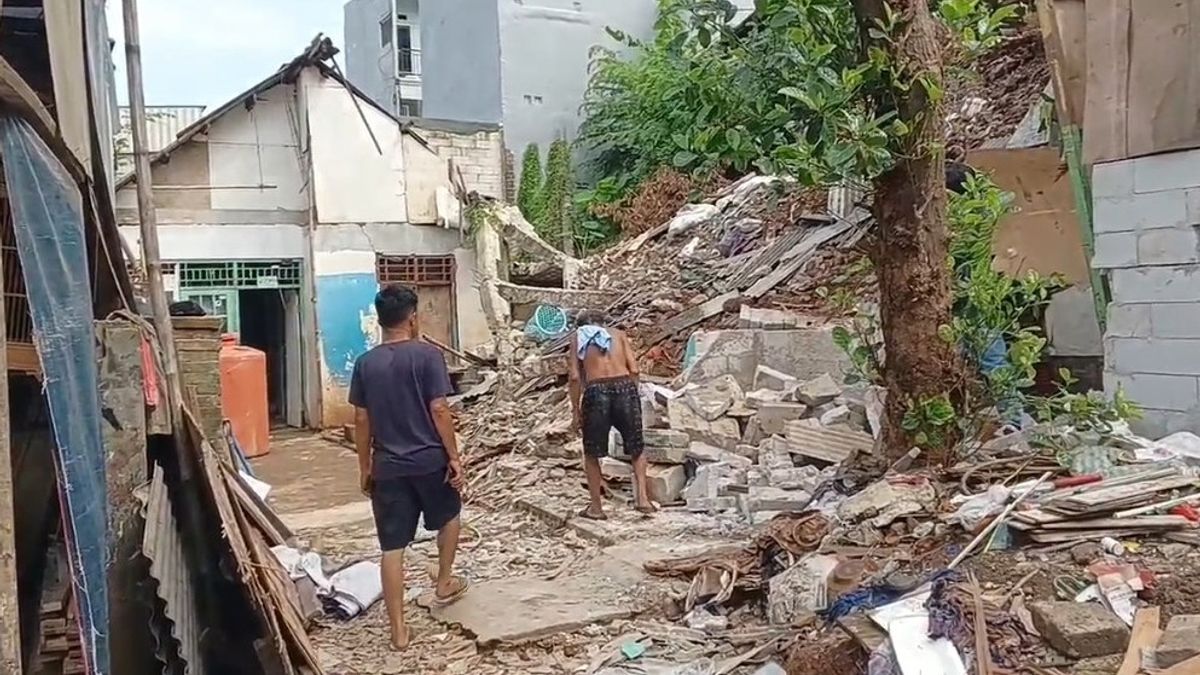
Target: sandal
(463,586)
(587,513)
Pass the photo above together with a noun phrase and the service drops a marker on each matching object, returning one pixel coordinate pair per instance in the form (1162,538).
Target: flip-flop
(586,513)
(646,510)
(455,596)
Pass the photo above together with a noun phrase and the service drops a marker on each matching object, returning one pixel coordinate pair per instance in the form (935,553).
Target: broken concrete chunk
(662,441)
(771,319)
(837,415)
(664,483)
(795,478)
(888,499)
(773,417)
(760,397)
(753,433)
(711,481)
(713,399)
(712,504)
(704,453)
(656,454)
(750,452)
(818,391)
(777,499)
(1080,629)
(615,469)
(800,591)
(665,438)
(723,432)
(809,439)
(766,377)
(1180,641)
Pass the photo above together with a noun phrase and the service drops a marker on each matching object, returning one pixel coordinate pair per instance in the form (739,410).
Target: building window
(409,107)
(415,270)
(405,56)
(385,32)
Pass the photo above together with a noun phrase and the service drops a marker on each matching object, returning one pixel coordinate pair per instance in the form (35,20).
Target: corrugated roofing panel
(163,546)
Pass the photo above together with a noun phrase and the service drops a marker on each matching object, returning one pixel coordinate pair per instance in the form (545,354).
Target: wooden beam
(10,622)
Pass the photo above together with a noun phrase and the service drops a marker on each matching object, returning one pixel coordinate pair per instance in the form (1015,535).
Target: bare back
(598,364)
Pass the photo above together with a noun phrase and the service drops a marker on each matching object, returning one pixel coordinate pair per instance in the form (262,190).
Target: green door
(222,302)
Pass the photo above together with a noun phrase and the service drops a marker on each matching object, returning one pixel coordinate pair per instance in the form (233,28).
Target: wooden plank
(1164,77)
(261,515)
(1070,20)
(797,257)
(1145,634)
(1145,522)
(1122,492)
(692,316)
(1104,117)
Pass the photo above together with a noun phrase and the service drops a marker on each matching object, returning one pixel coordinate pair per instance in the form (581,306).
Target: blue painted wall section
(343,300)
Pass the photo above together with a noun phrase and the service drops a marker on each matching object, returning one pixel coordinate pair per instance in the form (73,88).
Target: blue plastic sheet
(48,221)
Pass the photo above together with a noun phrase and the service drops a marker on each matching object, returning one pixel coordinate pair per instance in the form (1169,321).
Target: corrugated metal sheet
(163,123)
(163,546)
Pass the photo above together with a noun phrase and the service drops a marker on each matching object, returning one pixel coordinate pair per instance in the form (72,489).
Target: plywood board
(1042,232)
(1071,23)
(1104,116)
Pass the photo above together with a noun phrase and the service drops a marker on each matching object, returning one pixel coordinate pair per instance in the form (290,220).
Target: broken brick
(1080,629)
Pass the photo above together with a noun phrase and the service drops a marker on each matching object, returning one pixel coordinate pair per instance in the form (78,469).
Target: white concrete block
(1179,320)
(1158,423)
(1142,211)
(1112,179)
(1154,356)
(1116,249)
(1127,320)
(1171,246)
(1168,284)
(1193,206)
(1166,171)
(1163,392)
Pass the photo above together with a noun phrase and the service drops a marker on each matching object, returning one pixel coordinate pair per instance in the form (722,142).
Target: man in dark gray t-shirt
(407,452)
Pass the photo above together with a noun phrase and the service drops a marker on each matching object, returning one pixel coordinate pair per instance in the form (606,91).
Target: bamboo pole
(151,255)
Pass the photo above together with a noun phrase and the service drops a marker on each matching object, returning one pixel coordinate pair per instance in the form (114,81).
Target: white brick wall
(1147,229)
(478,155)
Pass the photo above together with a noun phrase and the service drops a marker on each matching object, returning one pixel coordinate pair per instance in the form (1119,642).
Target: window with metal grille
(256,274)
(413,270)
(18,322)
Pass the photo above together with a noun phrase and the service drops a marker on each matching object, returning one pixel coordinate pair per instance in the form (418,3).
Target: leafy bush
(530,190)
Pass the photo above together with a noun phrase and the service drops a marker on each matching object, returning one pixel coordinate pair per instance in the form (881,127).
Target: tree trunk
(910,211)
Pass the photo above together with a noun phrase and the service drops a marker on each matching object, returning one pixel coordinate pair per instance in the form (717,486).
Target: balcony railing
(408,62)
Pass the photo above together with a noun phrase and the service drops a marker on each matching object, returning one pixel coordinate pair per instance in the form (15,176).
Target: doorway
(260,302)
(432,277)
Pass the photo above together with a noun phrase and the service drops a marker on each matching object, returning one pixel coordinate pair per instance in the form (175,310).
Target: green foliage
(931,422)
(530,191)
(976,23)
(556,208)
(1090,411)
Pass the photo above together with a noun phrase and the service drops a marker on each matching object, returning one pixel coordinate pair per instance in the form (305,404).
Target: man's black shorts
(398,503)
(607,404)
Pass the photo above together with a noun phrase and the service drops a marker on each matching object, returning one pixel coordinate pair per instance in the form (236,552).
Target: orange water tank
(244,395)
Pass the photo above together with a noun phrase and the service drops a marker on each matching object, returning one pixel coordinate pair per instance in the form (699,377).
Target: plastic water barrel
(244,395)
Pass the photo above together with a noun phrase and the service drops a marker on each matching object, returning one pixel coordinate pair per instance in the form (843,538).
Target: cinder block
(1112,179)
(1143,211)
(1155,424)
(1165,392)
(1178,320)
(1193,206)
(1166,171)
(1116,249)
(1167,284)
(1155,356)
(1132,320)
(1170,246)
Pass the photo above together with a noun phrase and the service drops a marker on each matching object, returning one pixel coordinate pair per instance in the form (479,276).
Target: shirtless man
(603,375)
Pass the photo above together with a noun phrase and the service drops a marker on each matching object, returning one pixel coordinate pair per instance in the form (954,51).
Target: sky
(204,52)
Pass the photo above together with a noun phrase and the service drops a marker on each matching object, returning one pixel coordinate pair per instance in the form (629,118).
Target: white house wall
(223,242)
(259,146)
(353,180)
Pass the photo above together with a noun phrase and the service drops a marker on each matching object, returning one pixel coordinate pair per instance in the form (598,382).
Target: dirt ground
(515,538)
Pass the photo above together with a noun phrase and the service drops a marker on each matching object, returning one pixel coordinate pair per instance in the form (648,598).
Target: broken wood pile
(1117,507)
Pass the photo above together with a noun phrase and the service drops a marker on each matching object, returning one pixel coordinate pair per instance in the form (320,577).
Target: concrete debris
(768,498)
(723,432)
(713,399)
(759,397)
(835,416)
(766,377)
(774,417)
(615,470)
(1180,641)
(886,500)
(1080,629)
(818,391)
(664,483)
(809,439)
(771,319)
(704,453)
(800,591)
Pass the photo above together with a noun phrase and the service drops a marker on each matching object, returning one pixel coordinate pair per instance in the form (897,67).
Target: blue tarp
(48,220)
